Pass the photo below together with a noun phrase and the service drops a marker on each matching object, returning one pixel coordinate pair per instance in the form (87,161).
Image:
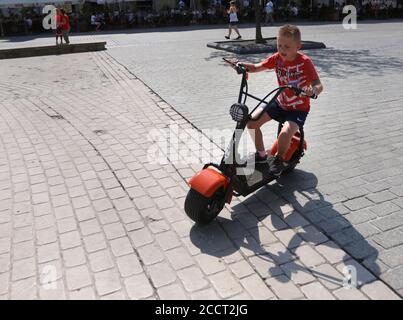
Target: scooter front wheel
(201,209)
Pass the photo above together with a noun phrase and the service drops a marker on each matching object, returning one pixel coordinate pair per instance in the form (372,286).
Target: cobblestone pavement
(84,215)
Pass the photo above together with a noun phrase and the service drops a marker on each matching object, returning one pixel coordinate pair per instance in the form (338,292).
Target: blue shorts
(279,114)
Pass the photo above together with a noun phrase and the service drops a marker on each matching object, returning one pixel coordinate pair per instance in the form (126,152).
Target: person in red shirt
(65,26)
(58,31)
(292,68)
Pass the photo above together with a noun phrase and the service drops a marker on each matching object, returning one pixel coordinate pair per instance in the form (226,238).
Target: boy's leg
(285,136)
(254,127)
(283,143)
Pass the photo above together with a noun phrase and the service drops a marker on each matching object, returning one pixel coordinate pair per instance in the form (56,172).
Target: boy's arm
(251,67)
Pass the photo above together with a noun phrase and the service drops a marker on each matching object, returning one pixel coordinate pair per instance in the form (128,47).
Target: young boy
(292,68)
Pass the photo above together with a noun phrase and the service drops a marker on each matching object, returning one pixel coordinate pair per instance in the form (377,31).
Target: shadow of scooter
(252,225)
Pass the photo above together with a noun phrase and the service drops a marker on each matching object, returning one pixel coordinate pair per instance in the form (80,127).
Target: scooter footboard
(208,181)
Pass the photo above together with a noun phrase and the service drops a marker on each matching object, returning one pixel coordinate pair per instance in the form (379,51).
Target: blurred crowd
(102,17)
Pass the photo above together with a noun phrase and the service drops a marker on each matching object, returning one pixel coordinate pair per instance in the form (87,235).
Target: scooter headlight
(239,112)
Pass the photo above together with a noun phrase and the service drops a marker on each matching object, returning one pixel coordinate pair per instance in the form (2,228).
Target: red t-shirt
(299,73)
(65,22)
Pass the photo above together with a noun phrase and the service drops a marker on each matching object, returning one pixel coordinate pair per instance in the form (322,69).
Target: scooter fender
(208,181)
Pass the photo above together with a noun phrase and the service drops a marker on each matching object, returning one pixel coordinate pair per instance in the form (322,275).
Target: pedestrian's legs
(229,32)
(237,31)
(66,36)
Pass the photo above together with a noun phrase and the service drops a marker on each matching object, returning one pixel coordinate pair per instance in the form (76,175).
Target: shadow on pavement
(245,232)
(331,63)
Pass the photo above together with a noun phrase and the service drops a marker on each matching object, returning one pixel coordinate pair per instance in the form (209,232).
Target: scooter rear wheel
(201,209)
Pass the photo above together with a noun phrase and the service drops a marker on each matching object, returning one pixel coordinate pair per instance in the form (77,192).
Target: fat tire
(201,209)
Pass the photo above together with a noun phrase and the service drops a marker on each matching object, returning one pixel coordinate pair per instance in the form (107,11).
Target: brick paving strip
(84,215)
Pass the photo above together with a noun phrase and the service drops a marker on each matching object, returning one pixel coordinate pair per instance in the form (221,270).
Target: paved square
(85,215)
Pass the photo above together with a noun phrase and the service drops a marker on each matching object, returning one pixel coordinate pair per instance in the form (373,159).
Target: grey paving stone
(179,258)
(100,261)
(316,291)
(121,246)
(192,279)
(392,257)
(225,284)
(394,277)
(360,216)
(138,287)
(389,222)
(312,235)
(210,264)
(333,225)
(384,208)
(328,276)
(256,288)
(24,289)
(297,272)
(284,288)
(377,290)
(94,242)
(172,292)
(241,269)
(358,203)
(381,196)
(207,294)
(332,252)
(361,249)
(77,278)
(107,282)
(349,294)
(389,239)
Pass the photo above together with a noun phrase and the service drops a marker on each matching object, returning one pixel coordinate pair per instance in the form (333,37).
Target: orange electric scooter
(215,184)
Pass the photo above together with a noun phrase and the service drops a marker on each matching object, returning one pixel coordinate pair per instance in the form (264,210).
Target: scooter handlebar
(299,91)
(239,67)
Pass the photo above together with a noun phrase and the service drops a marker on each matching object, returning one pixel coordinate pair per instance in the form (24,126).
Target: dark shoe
(259,158)
(237,38)
(277,167)
(226,37)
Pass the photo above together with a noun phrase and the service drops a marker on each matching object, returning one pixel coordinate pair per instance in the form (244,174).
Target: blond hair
(290,31)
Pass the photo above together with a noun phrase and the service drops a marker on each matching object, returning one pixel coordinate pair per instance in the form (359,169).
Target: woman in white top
(233,20)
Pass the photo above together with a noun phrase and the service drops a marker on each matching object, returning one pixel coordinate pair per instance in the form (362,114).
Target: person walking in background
(269,8)
(233,20)
(65,26)
(58,31)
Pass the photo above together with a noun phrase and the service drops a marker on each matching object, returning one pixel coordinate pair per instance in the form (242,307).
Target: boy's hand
(234,61)
(309,91)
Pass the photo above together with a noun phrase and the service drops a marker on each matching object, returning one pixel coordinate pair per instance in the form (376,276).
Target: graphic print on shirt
(294,76)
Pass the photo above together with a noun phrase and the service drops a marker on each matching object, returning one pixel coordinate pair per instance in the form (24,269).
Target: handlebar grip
(297,90)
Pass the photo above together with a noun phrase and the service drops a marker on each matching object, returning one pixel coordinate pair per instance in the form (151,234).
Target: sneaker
(277,166)
(259,158)
(237,38)
(226,37)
